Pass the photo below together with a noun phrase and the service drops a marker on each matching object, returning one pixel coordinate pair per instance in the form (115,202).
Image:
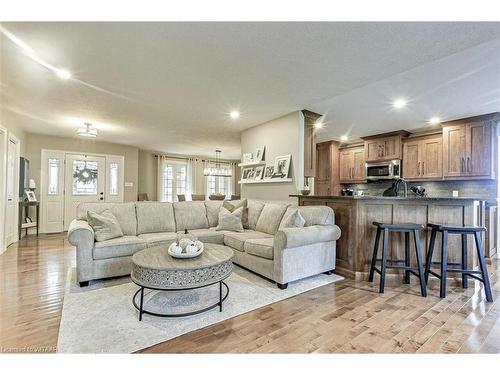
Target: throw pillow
(230,220)
(294,220)
(232,205)
(105,225)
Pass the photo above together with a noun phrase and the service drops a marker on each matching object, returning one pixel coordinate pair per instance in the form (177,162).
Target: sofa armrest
(80,231)
(296,237)
(81,235)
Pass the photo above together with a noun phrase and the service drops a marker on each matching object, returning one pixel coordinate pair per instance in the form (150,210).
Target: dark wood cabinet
(310,119)
(384,146)
(352,164)
(423,158)
(327,169)
(468,148)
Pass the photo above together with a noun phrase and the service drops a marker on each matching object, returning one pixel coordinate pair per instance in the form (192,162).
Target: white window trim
(175,164)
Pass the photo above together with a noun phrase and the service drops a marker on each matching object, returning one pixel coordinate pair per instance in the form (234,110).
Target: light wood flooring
(345,317)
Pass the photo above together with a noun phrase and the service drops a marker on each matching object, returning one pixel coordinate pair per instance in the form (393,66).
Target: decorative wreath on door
(85,175)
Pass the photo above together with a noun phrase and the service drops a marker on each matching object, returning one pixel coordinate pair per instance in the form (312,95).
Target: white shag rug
(100,318)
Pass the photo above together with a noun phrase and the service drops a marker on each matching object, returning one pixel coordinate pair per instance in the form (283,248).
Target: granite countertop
(379,197)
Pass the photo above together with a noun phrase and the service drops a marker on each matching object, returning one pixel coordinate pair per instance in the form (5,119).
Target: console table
(26,205)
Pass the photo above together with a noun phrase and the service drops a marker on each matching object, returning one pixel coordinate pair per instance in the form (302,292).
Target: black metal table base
(142,311)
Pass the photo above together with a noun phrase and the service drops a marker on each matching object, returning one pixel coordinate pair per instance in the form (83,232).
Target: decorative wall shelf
(253,164)
(270,181)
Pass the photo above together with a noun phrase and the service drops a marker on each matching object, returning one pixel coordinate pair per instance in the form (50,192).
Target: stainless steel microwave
(385,170)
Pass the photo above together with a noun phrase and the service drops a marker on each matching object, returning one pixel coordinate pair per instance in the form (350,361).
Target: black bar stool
(464,232)
(406,229)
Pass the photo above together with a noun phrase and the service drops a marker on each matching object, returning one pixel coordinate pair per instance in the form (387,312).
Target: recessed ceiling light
(318,125)
(434,120)
(344,138)
(63,73)
(399,103)
(234,115)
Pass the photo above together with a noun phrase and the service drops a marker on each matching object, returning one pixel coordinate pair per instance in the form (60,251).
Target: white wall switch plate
(455,193)
(129,184)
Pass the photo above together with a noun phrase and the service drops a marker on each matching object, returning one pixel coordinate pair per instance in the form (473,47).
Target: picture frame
(282,166)
(259,172)
(268,172)
(244,173)
(247,158)
(251,174)
(259,154)
(30,195)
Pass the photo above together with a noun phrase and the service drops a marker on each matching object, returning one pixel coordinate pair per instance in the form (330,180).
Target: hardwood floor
(345,317)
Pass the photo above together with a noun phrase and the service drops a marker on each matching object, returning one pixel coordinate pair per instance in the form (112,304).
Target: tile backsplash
(469,188)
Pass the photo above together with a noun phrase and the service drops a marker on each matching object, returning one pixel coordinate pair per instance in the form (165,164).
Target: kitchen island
(355,215)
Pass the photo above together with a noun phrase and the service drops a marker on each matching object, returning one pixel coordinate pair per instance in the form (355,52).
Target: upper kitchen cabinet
(352,164)
(310,119)
(469,147)
(384,146)
(423,157)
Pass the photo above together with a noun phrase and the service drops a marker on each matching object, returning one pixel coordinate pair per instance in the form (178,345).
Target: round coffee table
(153,268)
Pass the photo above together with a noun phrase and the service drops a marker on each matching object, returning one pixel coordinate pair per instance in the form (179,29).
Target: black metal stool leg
(421,275)
(384,260)
(444,264)
(465,282)
(407,257)
(428,260)
(482,264)
(374,256)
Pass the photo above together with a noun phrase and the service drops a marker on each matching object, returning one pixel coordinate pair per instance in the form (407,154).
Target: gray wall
(281,136)
(37,142)
(148,172)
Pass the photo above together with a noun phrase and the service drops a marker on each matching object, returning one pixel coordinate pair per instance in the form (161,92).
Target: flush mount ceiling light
(399,103)
(214,168)
(318,125)
(234,115)
(86,131)
(63,74)
(434,120)
(344,138)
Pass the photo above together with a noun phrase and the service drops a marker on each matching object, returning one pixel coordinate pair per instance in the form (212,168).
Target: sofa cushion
(157,239)
(230,220)
(105,225)
(254,211)
(270,217)
(234,205)
(208,235)
(154,217)
(236,240)
(292,219)
(190,215)
(261,247)
(213,208)
(317,215)
(124,213)
(118,247)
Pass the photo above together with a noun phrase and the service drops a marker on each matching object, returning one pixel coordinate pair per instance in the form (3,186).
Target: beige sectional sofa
(265,247)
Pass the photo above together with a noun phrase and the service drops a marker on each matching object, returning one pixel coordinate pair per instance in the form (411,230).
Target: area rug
(100,318)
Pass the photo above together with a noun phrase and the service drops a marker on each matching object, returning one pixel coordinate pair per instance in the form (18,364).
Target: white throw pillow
(230,220)
(105,225)
(294,220)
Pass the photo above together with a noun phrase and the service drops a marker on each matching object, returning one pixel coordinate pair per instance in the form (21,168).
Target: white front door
(52,191)
(3,179)
(85,181)
(11,211)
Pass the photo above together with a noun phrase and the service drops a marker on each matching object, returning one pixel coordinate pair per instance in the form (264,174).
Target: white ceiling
(169,86)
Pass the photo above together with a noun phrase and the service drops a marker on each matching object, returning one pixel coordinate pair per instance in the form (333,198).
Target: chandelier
(86,131)
(215,169)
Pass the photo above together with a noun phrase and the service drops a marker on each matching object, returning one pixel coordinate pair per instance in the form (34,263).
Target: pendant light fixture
(215,169)
(87,131)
